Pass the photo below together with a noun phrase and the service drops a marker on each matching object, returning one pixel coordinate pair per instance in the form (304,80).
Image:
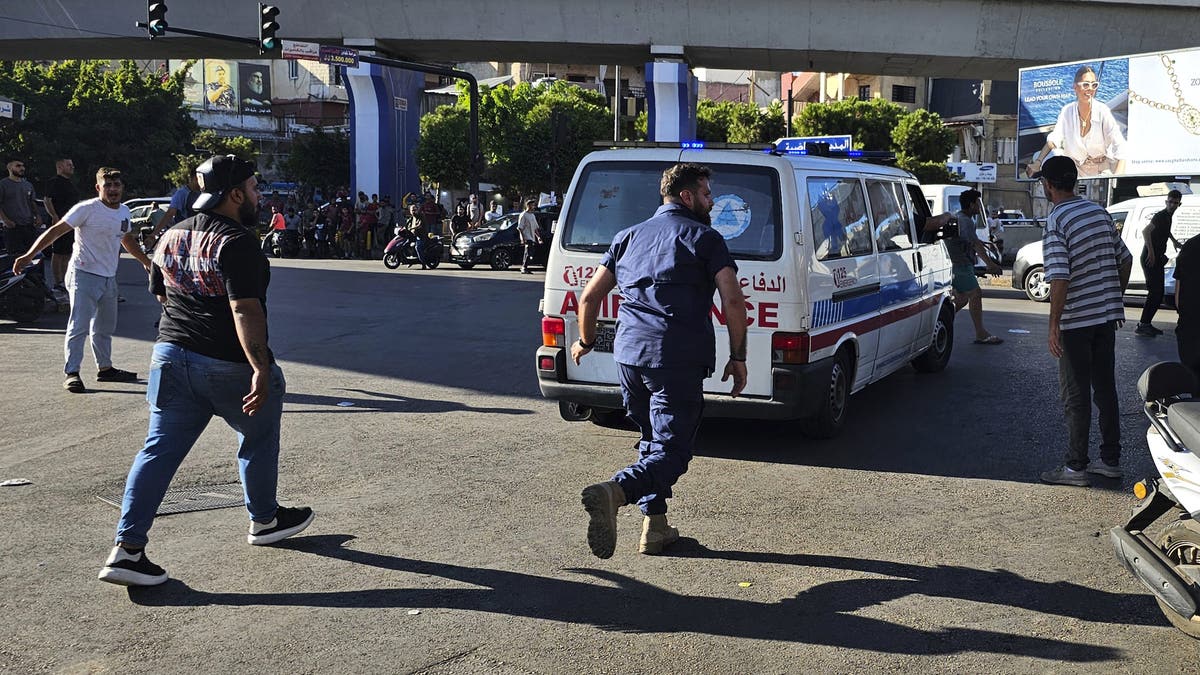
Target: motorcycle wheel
(433,263)
(28,301)
(1180,542)
(391,261)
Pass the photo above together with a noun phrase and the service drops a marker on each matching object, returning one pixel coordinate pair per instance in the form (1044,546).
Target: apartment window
(336,76)
(1006,150)
(293,69)
(903,94)
(864,92)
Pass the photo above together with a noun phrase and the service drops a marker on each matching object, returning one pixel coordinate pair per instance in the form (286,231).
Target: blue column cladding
(385,116)
(671,92)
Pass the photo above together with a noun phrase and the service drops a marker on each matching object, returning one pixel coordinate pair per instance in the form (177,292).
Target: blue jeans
(185,390)
(666,404)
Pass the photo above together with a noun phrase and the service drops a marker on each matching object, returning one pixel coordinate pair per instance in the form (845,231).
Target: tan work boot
(656,535)
(601,500)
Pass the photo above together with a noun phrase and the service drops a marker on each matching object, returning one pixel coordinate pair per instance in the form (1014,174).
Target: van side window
(1119,219)
(888,210)
(839,218)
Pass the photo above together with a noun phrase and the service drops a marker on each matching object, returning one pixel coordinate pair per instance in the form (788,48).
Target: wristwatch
(586,345)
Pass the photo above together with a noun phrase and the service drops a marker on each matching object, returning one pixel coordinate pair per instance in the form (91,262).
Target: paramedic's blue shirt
(666,270)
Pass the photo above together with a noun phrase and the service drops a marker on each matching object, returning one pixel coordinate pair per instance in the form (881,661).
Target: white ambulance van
(839,291)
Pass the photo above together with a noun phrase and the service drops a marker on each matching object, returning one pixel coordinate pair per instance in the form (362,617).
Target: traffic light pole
(476,159)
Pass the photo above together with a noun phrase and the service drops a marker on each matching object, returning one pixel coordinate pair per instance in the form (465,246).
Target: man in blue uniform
(666,269)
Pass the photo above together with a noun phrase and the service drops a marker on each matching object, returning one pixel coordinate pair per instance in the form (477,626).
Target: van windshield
(612,196)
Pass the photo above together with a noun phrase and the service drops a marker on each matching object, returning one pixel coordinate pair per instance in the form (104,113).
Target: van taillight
(789,347)
(554,331)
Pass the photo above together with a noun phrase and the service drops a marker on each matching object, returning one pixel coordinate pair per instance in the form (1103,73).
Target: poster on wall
(1133,115)
(220,86)
(193,82)
(255,88)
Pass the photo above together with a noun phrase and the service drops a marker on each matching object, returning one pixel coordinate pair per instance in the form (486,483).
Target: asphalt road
(449,536)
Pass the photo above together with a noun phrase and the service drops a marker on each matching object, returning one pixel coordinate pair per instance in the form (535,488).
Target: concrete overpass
(988,39)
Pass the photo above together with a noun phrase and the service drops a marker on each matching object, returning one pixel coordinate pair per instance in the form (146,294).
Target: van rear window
(612,196)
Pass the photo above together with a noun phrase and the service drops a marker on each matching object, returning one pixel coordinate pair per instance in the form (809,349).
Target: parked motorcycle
(402,249)
(281,243)
(22,296)
(1168,567)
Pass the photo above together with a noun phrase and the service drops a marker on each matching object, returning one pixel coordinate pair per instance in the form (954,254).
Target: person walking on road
(1154,262)
(211,358)
(1187,304)
(666,269)
(527,228)
(962,250)
(18,210)
(102,227)
(1087,266)
(60,196)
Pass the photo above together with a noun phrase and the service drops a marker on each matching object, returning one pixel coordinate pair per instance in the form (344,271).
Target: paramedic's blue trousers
(666,404)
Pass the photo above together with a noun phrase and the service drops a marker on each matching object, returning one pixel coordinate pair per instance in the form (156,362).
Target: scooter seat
(1184,420)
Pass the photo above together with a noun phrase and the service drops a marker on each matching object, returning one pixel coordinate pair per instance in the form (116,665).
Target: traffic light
(156,18)
(267,42)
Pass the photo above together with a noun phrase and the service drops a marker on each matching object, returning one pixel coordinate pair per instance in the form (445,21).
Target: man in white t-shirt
(102,227)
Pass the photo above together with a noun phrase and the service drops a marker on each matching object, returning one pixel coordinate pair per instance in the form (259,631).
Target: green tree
(870,122)
(319,160)
(713,119)
(518,137)
(921,136)
(205,144)
(443,155)
(98,116)
(750,124)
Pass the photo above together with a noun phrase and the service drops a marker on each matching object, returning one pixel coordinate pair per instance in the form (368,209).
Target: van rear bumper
(798,390)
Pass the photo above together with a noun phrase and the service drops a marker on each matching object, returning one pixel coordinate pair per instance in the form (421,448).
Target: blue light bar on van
(691,145)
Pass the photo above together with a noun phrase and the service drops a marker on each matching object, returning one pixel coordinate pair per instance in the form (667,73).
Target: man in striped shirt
(1088,267)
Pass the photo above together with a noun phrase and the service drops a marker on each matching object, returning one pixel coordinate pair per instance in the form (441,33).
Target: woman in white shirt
(1086,131)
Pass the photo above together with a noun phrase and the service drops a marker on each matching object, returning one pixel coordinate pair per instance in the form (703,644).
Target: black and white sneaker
(131,569)
(287,521)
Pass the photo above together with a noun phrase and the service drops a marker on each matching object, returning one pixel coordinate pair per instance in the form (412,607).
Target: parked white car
(1130,217)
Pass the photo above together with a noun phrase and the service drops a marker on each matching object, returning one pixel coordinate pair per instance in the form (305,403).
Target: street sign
(798,142)
(294,49)
(6,109)
(339,56)
(400,103)
(973,172)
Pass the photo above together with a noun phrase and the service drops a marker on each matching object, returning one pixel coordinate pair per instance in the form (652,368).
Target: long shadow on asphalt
(816,616)
(374,401)
(994,413)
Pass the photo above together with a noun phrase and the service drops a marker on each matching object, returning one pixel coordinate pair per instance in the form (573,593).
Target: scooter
(403,249)
(22,297)
(1168,567)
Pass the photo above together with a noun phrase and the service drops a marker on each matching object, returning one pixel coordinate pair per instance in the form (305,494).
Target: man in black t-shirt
(1154,261)
(211,279)
(1187,303)
(60,195)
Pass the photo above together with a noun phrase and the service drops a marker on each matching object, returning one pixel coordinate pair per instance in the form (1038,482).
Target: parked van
(839,292)
(1131,217)
(943,198)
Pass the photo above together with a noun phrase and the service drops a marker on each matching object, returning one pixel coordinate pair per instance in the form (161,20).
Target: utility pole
(617,105)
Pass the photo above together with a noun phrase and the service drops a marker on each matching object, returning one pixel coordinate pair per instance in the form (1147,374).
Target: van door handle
(920,263)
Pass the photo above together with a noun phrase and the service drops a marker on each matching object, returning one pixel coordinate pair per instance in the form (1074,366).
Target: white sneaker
(1098,466)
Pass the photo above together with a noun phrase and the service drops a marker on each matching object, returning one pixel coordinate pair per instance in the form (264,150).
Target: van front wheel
(831,416)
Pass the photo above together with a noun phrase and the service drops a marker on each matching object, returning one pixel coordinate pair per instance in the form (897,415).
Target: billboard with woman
(1130,115)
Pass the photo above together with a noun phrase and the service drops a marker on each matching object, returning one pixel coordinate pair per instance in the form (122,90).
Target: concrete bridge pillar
(671,92)
(385,116)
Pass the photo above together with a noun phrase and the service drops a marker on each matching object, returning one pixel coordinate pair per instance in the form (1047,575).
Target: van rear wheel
(831,416)
(574,412)
(934,359)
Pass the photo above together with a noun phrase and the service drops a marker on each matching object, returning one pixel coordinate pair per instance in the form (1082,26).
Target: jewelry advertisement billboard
(1132,115)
